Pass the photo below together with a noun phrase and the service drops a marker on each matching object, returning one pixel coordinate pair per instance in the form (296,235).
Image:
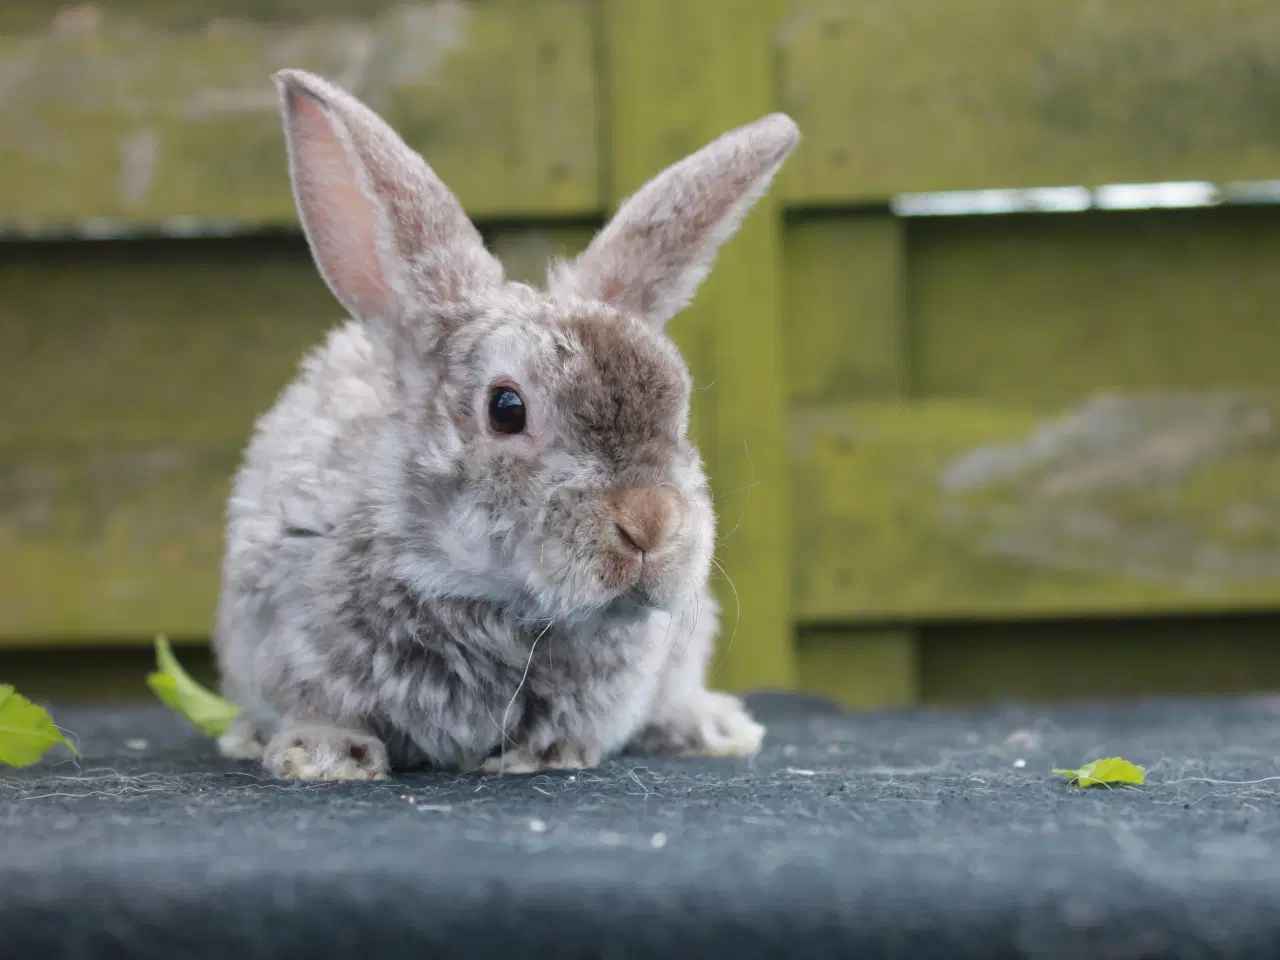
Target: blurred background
(987,386)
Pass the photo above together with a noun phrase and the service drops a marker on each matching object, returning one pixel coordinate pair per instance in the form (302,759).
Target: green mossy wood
(130,377)
(1090,423)
(922,433)
(680,74)
(158,116)
(901,97)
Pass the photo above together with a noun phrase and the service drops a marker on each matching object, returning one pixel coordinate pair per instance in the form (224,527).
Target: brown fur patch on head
(626,395)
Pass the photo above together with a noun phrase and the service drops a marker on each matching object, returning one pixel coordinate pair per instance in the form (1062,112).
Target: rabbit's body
(472,532)
(331,616)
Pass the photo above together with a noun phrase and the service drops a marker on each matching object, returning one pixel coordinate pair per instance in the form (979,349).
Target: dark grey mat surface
(890,835)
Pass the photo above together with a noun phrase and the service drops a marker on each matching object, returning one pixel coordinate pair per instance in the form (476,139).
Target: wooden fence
(954,455)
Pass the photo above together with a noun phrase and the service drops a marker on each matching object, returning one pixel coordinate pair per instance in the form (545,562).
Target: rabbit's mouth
(661,582)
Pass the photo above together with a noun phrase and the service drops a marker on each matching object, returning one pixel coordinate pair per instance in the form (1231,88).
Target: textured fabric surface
(905,834)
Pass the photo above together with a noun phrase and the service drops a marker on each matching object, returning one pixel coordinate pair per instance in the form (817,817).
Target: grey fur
(401,584)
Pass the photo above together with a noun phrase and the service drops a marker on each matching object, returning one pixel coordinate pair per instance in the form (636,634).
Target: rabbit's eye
(506,411)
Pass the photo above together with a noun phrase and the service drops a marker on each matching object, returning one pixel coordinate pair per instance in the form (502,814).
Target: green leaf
(174,686)
(26,731)
(1107,771)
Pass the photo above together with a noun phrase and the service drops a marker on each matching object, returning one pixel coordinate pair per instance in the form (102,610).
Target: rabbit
(473,534)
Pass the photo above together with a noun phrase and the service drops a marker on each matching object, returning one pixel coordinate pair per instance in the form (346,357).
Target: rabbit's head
(538,455)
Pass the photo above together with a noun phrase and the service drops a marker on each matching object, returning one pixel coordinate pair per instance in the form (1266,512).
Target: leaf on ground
(26,731)
(1104,772)
(174,686)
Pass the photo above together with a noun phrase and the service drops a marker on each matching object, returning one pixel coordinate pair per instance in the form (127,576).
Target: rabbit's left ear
(652,256)
(386,233)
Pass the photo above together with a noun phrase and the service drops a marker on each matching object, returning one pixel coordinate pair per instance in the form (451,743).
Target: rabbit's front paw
(242,741)
(559,757)
(325,753)
(712,725)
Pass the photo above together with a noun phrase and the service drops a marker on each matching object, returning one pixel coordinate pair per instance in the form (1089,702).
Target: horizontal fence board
(1091,425)
(1040,661)
(864,668)
(898,96)
(100,541)
(1119,504)
(97,674)
(1047,308)
(130,377)
(167,118)
(1093,659)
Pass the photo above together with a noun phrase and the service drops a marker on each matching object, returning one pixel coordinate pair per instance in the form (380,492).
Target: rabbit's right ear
(651,257)
(385,232)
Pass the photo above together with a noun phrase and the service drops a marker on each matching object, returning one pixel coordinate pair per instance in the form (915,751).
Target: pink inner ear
(340,219)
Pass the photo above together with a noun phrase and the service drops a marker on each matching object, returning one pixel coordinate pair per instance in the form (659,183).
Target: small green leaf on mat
(1108,771)
(174,686)
(26,731)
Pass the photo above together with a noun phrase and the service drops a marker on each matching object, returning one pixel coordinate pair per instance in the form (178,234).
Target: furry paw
(325,753)
(556,758)
(713,725)
(241,742)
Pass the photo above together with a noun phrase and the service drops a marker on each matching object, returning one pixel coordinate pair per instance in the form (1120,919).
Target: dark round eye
(506,411)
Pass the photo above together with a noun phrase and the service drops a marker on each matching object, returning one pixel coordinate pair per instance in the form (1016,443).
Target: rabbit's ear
(649,260)
(385,232)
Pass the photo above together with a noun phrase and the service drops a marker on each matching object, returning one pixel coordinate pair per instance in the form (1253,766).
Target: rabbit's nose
(645,518)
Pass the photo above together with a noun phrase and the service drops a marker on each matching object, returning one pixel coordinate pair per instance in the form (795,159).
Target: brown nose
(646,517)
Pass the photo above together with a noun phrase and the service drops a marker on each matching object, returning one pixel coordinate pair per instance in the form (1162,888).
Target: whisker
(749,486)
(502,730)
(737,602)
(734,530)
(697,616)
(751,467)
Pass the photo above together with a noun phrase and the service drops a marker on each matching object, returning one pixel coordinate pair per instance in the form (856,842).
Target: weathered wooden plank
(1099,659)
(1019,488)
(863,668)
(916,96)
(1045,308)
(100,541)
(681,74)
(97,673)
(844,280)
(526,250)
(166,117)
(1123,503)
(130,376)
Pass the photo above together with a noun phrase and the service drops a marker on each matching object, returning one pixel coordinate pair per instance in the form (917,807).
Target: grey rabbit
(473,534)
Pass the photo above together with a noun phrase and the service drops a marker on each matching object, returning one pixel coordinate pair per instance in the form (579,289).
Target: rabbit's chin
(636,604)
(639,596)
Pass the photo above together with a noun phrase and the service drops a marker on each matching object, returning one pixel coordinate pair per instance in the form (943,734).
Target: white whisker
(697,616)
(749,486)
(502,730)
(737,601)
(734,530)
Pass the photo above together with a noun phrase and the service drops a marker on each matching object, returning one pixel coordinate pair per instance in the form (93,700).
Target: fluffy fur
(403,584)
